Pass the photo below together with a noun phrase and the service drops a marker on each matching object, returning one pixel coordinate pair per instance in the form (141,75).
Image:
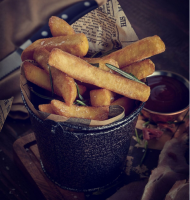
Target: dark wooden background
(168,19)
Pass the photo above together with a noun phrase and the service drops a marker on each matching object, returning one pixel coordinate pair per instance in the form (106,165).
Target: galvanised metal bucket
(82,158)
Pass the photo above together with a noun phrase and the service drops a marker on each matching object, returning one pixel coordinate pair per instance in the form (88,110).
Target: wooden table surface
(166,18)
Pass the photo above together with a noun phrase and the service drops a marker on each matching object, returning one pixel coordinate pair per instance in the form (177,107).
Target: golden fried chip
(41,78)
(27,54)
(60,27)
(76,44)
(46,108)
(82,89)
(37,76)
(61,81)
(140,69)
(127,103)
(41,56)
(137,51)
(82,71)
(101,97)
(101,63)
(86,112)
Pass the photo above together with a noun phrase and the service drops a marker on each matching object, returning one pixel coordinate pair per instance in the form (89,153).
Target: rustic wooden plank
(20,154)
(26,151)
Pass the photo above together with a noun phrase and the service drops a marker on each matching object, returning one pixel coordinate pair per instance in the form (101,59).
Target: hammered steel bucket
(82,158)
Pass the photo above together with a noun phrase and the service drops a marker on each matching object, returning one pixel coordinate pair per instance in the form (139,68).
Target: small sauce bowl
(169,98)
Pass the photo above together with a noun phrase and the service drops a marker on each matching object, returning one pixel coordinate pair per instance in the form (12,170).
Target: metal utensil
(70,15)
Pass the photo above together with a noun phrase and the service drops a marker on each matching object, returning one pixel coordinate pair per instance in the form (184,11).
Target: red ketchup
(167,94)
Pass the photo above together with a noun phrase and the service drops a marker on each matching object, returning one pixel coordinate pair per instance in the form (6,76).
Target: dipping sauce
(167,94)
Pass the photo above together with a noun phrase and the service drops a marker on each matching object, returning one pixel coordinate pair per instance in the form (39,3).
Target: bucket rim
(89,128)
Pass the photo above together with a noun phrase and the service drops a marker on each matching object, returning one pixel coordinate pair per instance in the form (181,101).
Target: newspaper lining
(106,27)
(5,107)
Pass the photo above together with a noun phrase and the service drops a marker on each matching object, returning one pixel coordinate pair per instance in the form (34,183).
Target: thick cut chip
(86,112)
(61,81)
(41,78)
(41,56)
(83,71)
(101,63)
(82,89)
(137,51)
(76,44)
(101,97)
(127,103)
(27,54)
(140,69)
(60,27)
(46,108)
(37,76)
